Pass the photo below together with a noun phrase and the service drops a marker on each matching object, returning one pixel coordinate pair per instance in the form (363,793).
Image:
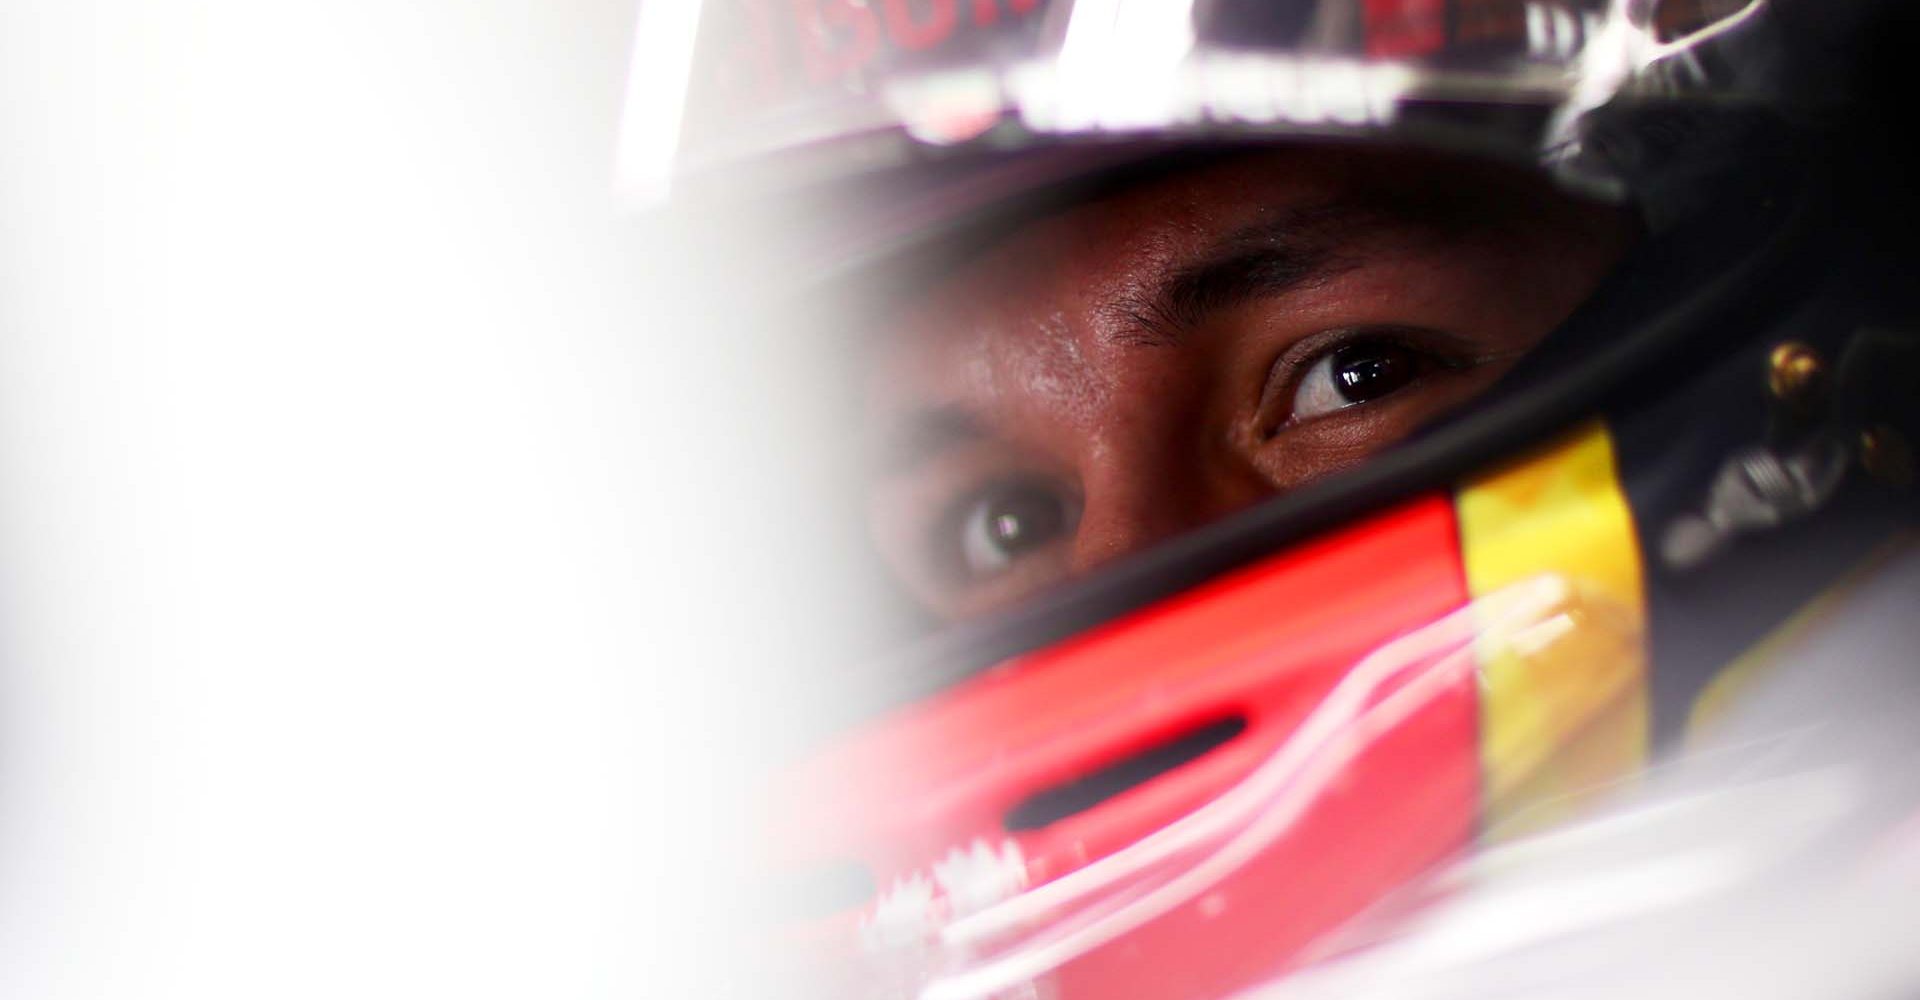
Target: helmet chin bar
(986,949)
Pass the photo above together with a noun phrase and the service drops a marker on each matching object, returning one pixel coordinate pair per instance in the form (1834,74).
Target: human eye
(1324,376)
(1354,374)
(992,530)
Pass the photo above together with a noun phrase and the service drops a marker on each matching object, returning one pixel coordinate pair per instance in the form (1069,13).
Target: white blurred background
(366,503)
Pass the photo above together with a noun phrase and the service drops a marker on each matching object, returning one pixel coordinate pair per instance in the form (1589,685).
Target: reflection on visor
(800,77)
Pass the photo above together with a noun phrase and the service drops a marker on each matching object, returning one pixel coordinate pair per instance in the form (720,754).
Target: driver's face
(1109,376)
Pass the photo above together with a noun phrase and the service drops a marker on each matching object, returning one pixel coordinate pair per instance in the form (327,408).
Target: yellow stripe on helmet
(1565,716)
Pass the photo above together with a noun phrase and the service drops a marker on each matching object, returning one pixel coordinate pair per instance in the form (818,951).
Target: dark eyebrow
(1268,259)
(921,435)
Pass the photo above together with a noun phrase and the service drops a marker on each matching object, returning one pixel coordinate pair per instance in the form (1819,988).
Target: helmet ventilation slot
(1083,793)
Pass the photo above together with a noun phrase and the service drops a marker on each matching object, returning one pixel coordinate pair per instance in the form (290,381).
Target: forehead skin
(1031,324)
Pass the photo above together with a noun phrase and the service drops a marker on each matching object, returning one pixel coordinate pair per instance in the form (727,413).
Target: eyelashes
(1343,369)
(1352,375)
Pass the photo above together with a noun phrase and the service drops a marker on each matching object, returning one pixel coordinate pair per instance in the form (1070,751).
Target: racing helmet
(1195,769)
